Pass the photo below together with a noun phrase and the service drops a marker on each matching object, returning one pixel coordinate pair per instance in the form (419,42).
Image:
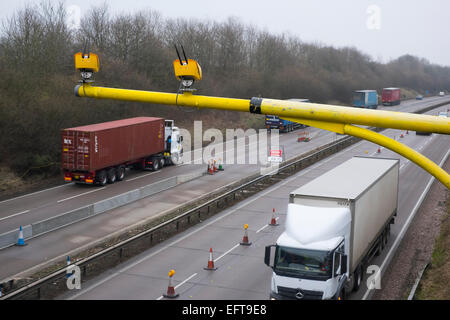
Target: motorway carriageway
(56,245)
(241,272)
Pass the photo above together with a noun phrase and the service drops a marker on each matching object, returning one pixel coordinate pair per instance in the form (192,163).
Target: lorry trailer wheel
(101,178)
(155,164)
(112,175)
(358,278)
(120,173)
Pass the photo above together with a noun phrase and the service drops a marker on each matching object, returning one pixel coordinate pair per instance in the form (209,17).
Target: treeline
(136,51)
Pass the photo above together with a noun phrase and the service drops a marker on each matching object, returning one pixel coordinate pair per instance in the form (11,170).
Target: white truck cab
(173,142)
(310,256)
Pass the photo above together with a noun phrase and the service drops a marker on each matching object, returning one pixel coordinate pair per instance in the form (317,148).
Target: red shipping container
(108,144)
(391,96)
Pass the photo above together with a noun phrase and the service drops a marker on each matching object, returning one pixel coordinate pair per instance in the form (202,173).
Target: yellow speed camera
(87,62)
(189,69)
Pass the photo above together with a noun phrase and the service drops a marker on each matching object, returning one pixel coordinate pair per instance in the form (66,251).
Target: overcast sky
(381,28)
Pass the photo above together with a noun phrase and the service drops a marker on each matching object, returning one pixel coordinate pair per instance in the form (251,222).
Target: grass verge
(435,282)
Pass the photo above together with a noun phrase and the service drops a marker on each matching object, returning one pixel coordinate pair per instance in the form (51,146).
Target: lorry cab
(173,150)
(310,262)
(365,99)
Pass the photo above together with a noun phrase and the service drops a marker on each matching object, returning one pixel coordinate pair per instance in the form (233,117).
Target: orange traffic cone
(171,289)
(210,168)
(210,261)
(273,221)
(379,150)
(244,241)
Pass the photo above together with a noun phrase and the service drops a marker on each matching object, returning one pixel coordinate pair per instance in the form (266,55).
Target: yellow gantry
(329,117)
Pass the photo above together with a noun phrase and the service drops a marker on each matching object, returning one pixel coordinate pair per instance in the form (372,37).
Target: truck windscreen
(302,263)
(357,96)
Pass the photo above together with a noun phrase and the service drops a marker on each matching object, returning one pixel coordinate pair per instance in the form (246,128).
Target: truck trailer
(335,224)
(365,99)
(274,122)
(391,96)
(100,153)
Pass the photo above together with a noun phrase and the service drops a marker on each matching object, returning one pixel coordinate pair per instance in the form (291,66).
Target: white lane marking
(13,215)
(81,194)
(271,189)
(265,226)
(406,225)
(180,284)
(148,174)
(227,252)
(30,194)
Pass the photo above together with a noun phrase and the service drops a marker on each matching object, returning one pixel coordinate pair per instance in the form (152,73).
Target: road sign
(275,153)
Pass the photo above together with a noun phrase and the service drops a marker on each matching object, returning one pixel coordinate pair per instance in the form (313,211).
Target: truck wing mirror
(268,257)
(343,264)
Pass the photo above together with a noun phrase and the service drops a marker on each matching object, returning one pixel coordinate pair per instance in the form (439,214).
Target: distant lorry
(100,153)
(335,224)
(365,99)
(391,96)
(441,93)
(274,122)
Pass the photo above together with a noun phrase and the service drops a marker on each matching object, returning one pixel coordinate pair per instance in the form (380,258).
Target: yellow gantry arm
(282,108)
(384,141)
(328,117)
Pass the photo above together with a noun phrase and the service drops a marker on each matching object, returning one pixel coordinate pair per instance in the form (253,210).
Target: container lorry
(274,122)
(335,224)
(100,153)
(365,99)
(391,96)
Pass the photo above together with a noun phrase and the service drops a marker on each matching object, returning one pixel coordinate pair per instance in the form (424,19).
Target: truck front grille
(299,294)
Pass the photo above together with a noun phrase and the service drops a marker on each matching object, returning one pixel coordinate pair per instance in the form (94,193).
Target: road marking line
(13,215)
(81,194)
(406,224)
(30,194)
(266,225)
(180,284)
(237,245)
(148,174)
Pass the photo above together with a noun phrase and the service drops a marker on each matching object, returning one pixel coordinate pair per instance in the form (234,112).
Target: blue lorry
(365,99)
(274,122)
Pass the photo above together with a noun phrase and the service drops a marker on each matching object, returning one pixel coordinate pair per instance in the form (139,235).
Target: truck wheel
(155,164)
(378,252)
(112,175)
(120,173)
(101,178)
(358,278)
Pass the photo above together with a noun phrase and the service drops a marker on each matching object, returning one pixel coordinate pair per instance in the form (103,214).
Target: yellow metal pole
(282,108)
(187,99)
(328,117)
(384,141)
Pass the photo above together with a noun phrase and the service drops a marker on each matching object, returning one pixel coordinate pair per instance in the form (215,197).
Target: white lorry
(335,224)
